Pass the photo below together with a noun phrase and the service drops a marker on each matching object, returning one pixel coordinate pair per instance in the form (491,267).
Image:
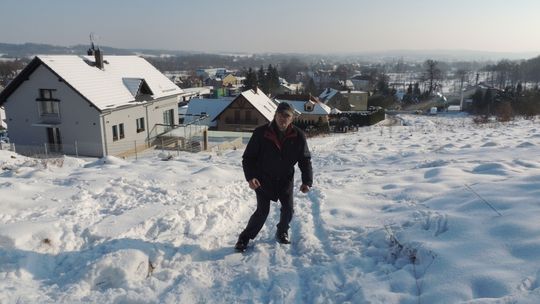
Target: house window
(118,132)
(49,107)
(121,128)
(168,117)
(47,104)
(114,133)
(140,125)
(46,94)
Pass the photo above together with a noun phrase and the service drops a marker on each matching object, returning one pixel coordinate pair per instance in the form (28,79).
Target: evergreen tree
(416,90)
(342,72)
(382,84)
(478,101)
(251,80)
(262,80)
(272,78)
(488,100)
(311,88)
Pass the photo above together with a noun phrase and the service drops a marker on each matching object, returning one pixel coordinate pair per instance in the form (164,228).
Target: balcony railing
(50,118)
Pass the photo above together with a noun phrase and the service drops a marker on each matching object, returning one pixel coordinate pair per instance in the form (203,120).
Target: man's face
(283,120)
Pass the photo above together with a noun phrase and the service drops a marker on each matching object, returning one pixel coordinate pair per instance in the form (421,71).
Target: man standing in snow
(268,163)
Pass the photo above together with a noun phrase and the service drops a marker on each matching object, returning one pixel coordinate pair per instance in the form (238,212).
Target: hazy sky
(313,26)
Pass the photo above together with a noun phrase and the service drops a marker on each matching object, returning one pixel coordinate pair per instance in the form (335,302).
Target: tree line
(267,80)
(9,69)
(513,90)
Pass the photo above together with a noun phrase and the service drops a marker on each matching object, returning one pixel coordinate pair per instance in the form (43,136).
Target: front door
(168,118)
(54,139)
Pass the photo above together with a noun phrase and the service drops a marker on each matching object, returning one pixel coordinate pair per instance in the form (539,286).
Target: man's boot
(282,237)
(241,245)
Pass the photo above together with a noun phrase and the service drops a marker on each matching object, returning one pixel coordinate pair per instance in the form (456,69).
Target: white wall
(152,113)
(79,120)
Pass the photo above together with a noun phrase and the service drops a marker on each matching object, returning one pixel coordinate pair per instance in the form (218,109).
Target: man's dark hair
(285,107)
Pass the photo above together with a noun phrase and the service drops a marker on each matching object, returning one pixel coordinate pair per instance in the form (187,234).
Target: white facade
(69,121)
(77,120)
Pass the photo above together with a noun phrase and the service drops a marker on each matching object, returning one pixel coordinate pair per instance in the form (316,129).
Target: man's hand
(254,183)
(305,188)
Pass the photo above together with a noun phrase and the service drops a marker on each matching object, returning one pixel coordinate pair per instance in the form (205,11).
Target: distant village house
(345,100)
(247,111)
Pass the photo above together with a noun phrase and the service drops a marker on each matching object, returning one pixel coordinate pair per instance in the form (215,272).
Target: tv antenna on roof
(93,40)
(93,44)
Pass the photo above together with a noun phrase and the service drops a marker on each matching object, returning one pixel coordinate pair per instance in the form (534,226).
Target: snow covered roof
(118,83)
(198,91)
(210,107)
(347,83)
(353,92)
(261,102)
(293,87)
(360,77)
(318,109)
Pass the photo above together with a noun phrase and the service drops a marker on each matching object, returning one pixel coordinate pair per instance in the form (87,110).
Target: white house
(345,100)
(91,105)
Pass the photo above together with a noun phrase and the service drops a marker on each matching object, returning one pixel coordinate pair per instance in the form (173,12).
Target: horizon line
(359,52)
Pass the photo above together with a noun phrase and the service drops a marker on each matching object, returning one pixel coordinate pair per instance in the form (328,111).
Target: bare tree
(433,74)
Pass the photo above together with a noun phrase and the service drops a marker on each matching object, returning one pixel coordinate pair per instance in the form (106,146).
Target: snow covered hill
(436,211)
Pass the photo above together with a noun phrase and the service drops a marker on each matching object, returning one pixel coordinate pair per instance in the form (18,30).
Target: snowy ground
(436,211)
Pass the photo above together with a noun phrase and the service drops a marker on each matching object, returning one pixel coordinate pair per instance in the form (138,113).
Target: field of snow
(438,210)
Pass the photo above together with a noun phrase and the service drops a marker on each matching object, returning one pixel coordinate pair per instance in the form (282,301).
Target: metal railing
(192,137)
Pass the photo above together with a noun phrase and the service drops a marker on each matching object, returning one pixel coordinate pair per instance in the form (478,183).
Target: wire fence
(169,143)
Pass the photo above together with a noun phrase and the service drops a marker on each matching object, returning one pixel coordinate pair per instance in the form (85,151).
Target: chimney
(98,55)
(90,51)
(255,90)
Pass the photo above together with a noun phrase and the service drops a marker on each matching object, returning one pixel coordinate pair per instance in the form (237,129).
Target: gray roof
(208,106)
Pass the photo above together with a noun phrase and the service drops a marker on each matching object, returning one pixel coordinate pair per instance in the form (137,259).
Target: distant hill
(456,55)
(31,49)
(440,55)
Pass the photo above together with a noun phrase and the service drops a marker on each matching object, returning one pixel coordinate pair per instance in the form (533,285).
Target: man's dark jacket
(271,160)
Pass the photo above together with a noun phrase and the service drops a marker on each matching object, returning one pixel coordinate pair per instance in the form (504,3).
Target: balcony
(49,111)
(50,118)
